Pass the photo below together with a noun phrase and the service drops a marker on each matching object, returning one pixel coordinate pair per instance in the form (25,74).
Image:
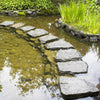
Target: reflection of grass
(0,87)
(79,15)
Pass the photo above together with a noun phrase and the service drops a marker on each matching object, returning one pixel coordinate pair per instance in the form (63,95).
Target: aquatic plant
(83,15)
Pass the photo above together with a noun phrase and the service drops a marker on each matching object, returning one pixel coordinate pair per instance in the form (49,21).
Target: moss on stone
(21,13)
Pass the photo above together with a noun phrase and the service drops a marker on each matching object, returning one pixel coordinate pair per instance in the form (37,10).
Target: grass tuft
(83,15)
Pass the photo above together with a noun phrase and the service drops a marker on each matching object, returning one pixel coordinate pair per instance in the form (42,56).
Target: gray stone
(37,32)
(72,67)
(48,38)
(59,44)
(67,55)
(28,13)
(7,23)
(17,25)
(94,39)
(27,28)
(15,12)
(73,87)
(9,13)
(34,14)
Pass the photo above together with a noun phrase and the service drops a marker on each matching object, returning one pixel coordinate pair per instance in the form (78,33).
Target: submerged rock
(67,55)
(73,87)
(59,44)
(72,67)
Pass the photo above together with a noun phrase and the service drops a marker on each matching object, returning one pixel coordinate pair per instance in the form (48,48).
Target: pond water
(22,66)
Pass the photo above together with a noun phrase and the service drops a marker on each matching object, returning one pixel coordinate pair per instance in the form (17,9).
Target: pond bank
(75,32)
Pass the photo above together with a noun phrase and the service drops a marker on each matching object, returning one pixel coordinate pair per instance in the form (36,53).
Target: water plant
(82,15)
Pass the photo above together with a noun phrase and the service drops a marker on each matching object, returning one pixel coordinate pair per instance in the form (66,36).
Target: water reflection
(93,60)
(22,71)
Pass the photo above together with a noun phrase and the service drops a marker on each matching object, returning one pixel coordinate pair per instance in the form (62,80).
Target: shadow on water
(22,74)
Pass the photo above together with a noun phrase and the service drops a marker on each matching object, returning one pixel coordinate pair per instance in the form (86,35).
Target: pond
(22,67)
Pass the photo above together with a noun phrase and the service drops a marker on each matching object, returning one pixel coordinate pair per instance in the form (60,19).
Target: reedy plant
(82,15)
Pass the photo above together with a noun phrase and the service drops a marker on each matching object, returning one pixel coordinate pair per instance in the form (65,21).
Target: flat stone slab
(27,28)
(67,55)
(73,87)
(59,44)
(72,67)
(37,32)
(17,25)
(6,23)
(48,38)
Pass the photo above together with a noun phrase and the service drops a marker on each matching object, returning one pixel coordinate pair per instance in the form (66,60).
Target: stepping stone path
(7,23)
(37,32)
(72,67)
(17,25)
(27,28)
(59,44)
(73,87)
(68,55)
(68,60)
(48,38)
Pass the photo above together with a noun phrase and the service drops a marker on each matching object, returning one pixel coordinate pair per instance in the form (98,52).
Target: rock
(68,28)
(27,28)
(73,88)
(94,39)
(59,44)
(57,25)
(37,32)
(9,13)
(15,12)
(67,55)
(34,14)
(72,67)
(48,38)
(7,23)
(28,13)
(17,25)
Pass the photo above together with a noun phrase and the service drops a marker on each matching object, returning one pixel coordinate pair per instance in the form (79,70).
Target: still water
(22,74)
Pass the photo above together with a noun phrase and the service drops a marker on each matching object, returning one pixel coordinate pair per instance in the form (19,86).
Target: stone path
(37,32)
(72,67)
(27,28)
(73,87)
(68,60)
(59,44)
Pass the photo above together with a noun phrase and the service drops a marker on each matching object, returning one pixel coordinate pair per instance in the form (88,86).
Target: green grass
(84,16)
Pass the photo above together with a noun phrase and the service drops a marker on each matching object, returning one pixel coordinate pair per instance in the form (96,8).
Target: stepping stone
(73,87)
(27,28)
(37,32)
(17,25)
(72,67)
(59,44)
(67,55)
(48,38)
(7,23)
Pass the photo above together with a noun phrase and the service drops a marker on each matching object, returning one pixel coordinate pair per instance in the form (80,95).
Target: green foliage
(25,4)
(83,15)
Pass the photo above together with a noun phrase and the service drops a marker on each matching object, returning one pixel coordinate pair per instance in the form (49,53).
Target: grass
(84,16)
